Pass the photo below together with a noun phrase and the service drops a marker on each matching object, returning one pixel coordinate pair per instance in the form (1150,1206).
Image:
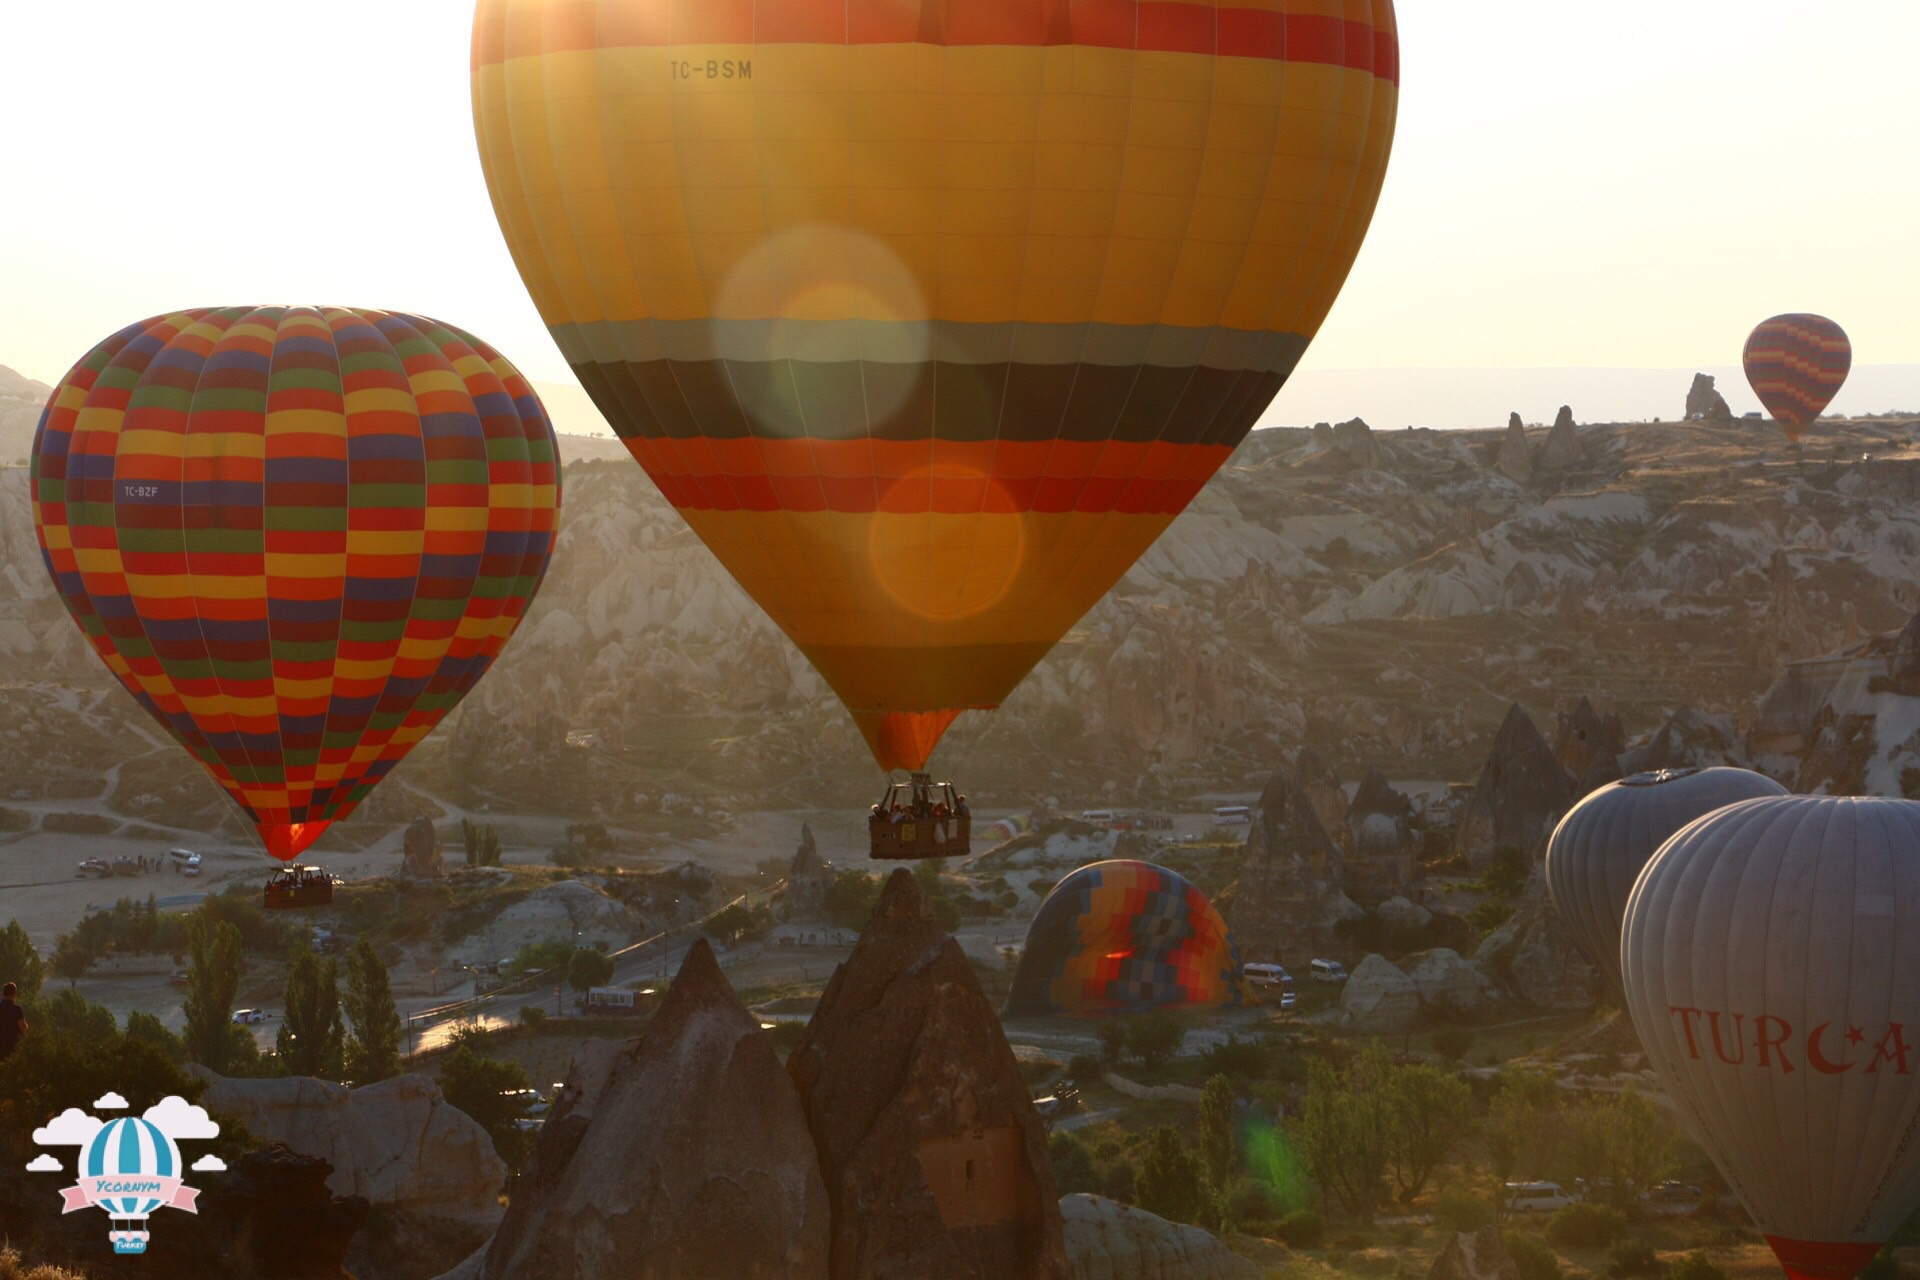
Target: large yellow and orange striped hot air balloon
(930,315)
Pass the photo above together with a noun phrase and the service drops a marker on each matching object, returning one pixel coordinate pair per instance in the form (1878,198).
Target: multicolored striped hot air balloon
(298,535)
(1124,936)
(930,316)
(1797,365)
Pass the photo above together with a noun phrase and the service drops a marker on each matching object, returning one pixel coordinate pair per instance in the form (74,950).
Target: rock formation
(279,1219)
(808,875)
(1704,404)
(1516,455)
(428,1167)
(1477,1255)
(1533,956)
(1354,442)
(1288,899)
(1322,788)
(1690,739)
(1562,448)
(1379,998)
(682,1153)
(1448,984)
(420,858)
(1521,793)
(1383,851)
(1107,1240)
(1788,632)
(1587,747)
(935,1163)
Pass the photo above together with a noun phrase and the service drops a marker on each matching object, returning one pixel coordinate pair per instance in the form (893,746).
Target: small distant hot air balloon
(1599,848)
(1770,953)
(1797,365)
(1124,936)
(298,536)
(930,316)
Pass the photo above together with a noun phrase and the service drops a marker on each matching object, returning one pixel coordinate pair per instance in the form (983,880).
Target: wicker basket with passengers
(920,818)
(294,887)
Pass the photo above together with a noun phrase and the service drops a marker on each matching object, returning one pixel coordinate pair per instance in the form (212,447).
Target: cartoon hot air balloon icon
(927,316)
(298,536)
(131,1169)
(1797,365)
(1599,848)
(1769,956)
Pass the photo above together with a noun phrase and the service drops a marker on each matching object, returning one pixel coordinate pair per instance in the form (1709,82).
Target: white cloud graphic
(109,1101)
(209,1164)
(71,1128)
(44,1163)
(181,1120)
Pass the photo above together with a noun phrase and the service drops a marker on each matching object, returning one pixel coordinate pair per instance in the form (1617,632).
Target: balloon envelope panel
(297,535)
(1599,848)
(1797,365)
(1121,936)
(1769,954)
(929,317)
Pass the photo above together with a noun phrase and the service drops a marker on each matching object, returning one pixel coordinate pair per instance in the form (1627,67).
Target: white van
(1232,815)
(1269,977)
(1537,1197)
(186,859)
(1328,971)
(1098,817)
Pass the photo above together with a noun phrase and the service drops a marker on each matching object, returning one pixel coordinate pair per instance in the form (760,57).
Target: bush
(1303,1229)
(1241,1059)
(1586,1226)
(1632,1258)
(1072,1165)
(1156,1036)
(1463,1211)
(532,1015)
(1113,1041)
(1453,1041)
(1506,875)
(1083,1067)
(1249,1201)
(1489,915)
(1532,1258)
(1694,1266)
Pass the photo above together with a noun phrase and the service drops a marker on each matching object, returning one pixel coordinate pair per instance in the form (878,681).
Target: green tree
(728,924)
(1621,1144)
(1216,1134)
(487,1088)
(1429,1113)
(1073,1169)
(145,1027)
(481,843)
(310,1038)
(851,897)
(213,978)
(1522,1127)
(1345,1131)
(373,1049)
(589,968)
(1113,1041)
(1169,1182)
(19,962)
(72,957)
(1156,1036)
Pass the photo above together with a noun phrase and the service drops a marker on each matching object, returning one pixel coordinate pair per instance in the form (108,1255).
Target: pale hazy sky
(1628,186)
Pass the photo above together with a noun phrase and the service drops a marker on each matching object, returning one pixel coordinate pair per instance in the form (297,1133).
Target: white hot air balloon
(1598,849)
(1771,954)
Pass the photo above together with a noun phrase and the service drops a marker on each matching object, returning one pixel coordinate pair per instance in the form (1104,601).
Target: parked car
(1062,1101)
(249,1017)
(1272,978)
(1537,1197)
(1674,1193)
(1327,971)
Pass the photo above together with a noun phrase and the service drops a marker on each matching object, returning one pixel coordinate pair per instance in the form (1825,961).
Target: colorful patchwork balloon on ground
(1797,365)
(298,535)
(929,317)
(1124,936)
